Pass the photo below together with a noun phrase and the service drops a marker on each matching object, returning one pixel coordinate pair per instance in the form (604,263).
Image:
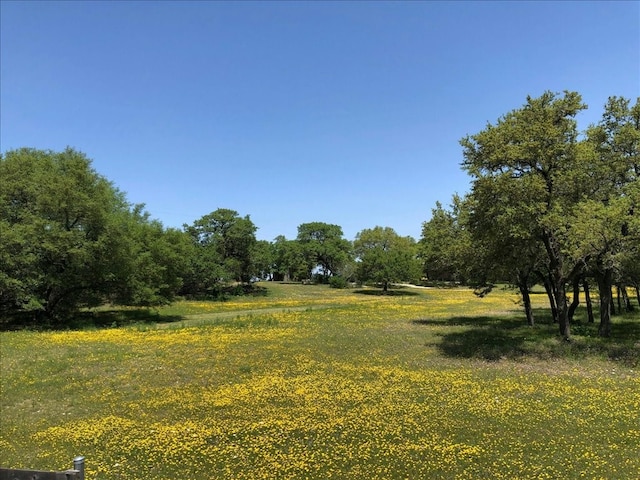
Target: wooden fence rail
(77,473)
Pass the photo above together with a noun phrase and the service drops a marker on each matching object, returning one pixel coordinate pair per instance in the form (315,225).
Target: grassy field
(310,382)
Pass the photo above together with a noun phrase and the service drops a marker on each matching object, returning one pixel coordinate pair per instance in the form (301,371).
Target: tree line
(70,240)
(548,205)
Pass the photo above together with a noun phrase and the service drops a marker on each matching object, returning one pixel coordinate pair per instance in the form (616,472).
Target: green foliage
(384,256)
(545,203)
(68,239)
(158,262)
(223,250)
(55,211)
(445,244)
(338,281)
(263,258)
(290,262)
(323,246)
(534,146)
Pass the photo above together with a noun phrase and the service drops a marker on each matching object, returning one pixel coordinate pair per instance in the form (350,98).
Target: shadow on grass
(229,292)
(93,319)
(489,344)
(388,293)
(499,322)
(120,318)
(496,338)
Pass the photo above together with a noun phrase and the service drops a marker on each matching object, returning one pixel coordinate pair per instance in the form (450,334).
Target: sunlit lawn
(311,382)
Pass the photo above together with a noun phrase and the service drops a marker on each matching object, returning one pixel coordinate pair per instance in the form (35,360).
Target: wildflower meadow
(308,382)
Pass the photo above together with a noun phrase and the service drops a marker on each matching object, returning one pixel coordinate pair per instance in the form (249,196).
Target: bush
(338,281)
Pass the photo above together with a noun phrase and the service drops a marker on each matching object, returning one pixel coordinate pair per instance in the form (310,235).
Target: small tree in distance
(384,257)
(324,247)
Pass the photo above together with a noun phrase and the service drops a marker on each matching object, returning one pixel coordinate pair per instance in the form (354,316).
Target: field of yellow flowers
(308,382)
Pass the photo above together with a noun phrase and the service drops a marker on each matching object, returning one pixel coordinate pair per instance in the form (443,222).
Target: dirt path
(410,285)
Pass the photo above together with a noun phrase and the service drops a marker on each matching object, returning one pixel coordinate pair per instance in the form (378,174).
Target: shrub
(338,281)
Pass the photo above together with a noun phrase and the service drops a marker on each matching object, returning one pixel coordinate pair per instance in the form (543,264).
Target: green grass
(310,382)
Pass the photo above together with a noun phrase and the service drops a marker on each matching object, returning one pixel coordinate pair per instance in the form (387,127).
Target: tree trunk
(526,300)
(619,299)
(563,309)
(625,298)
(638,295)
(587,301)
(559,281)
(552,303)
(612,305)
(576,298)
(604,288)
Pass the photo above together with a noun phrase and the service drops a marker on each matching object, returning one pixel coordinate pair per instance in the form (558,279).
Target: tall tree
(263,258)
(324,246)
(67,237)
(439,234)
(504,245)
(607,219)
(157,263)
(444,246)
(537,144)
(290,260)
(384,257)
(225,242)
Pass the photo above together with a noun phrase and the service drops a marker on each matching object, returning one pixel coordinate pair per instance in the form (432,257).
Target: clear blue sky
(341,112)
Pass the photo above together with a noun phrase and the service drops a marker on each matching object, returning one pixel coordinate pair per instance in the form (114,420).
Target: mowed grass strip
(419,384)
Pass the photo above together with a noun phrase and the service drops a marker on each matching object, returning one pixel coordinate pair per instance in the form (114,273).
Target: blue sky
(292,112)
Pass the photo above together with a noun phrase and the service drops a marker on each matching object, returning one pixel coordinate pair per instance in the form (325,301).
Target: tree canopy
(224,249)
(549,202)
(324,246)
(69,238)
(384,257)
